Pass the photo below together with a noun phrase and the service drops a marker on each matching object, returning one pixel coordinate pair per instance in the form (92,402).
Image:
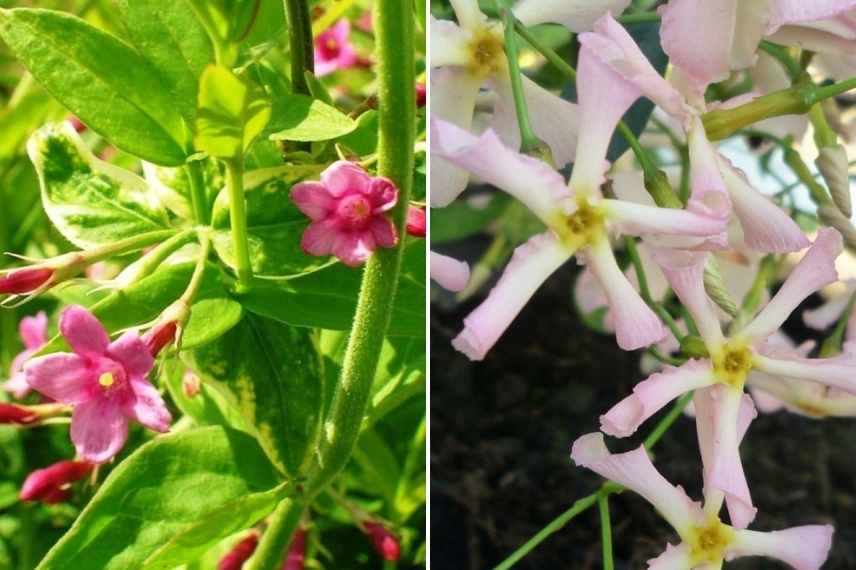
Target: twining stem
(818,193)
(273,546)
(238,219)
(300,43)
(397,110)
(608,488)
(645,292)
(528,139)
(605,530)
(198,198)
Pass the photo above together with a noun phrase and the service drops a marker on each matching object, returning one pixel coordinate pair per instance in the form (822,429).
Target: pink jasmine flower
(706,542)
(469,55)
(347,208)
(716,185)
(34,334)
(448,272)
(333,49)
(240,553)
(51,484)
(721,377)
(104,381)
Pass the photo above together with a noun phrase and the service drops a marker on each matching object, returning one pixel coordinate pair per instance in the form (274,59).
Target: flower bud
(385,543)
(25,280)
(160,336)
(657,185)
(240,553)
(421,95)
(832,216)
(296,552)
(832,163)
(715,288)
(693,346)
(77,124)
(416,221)
(190,384)
(51,483)
(12,414)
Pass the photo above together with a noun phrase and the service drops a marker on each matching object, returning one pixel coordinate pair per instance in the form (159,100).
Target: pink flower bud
(385,543)
(77,124)
(25,280)
(296,552)
(190,384)
(416,221)
(12,414)
(51,483)
(421,94)
(240,553)
(159,336)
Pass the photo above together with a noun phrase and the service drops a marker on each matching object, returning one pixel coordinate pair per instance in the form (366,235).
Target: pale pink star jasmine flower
(723,375)
(333,49)
(469,55)
(34,334)
(348,212)
(104,381)
(706,542)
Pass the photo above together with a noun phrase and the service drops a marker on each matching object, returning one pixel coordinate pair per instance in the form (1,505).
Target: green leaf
(275,227)
(30,107)
(170,36)
(275,373)
(91,202)
(209,407)
(301,118)
(232,112)
(110,86)
(363,140)
(462,218)
(227,23)
(327,298)
(211,315)
(192,542)
(164,488)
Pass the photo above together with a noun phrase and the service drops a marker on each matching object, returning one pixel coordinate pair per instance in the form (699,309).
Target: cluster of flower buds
(52,484)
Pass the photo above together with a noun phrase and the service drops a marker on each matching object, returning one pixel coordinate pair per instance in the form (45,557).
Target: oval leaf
(301,118)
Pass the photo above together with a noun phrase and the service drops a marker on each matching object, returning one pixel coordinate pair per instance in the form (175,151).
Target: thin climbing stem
(645,292)
(528,140)
(300,43)
(238,218)
(605,530)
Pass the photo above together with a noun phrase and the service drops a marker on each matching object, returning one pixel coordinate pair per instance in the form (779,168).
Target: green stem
(645,292)
(238,217)
(639,18)
(827,91)
(198,197)
(198,272)
(550,55)
(300,43)
(783,56)
(528,139)
(153,259)
(662,427)
(824,136)
(126,245)
(397,112)
(800,168)
(605,530)
(273,546)
(832,345)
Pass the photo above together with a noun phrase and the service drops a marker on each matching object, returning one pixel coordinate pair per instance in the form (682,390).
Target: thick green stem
(153,259)
(238,217)
(605,530)
(198,197)
(300,43)
(528,139)
(397,112)
(273,547)
(126,245)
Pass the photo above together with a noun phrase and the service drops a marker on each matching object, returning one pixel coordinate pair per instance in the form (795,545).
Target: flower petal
(318,238)
(824,316)
(383,232)
(639,219)
(98,429)
(17,385)
(765,226)
(468,13)
(532,263)
(148,407)
(531,181)
(650,395)
(803,547)
(636,325)
(576,15)
(837,371)
(83,331)
(448,272)
(130,350)
(63,377)
(814,271)
(34,330)
(709,194)
(795,11)
(353,249)
(673,558)
(635,471)
(313,199)
(448,44)
(453,99)
(343,177)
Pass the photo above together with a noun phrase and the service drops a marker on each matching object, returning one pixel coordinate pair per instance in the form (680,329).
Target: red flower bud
(416,221)
(385,543)
(77,124)
(25,280)
(421,95)
(51,483)
(296,552)
(12,414)
(240,553)
(159,336)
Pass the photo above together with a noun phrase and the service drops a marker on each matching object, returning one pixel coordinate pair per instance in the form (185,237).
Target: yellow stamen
(733,364)
(486,51)
(583,227)
(708,543)
(106,379)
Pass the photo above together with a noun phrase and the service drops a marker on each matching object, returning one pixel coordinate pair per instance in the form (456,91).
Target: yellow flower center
(584,226)
(733,364)
(486,51)
(708,543)
(106,380)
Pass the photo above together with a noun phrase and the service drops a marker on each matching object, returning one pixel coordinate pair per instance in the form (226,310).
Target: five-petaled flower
(333,49)
(104,381)
(348,212)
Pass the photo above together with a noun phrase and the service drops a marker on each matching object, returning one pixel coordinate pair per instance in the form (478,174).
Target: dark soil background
(501,433)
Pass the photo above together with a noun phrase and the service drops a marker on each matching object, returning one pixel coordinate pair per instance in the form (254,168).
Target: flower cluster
(722,217)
